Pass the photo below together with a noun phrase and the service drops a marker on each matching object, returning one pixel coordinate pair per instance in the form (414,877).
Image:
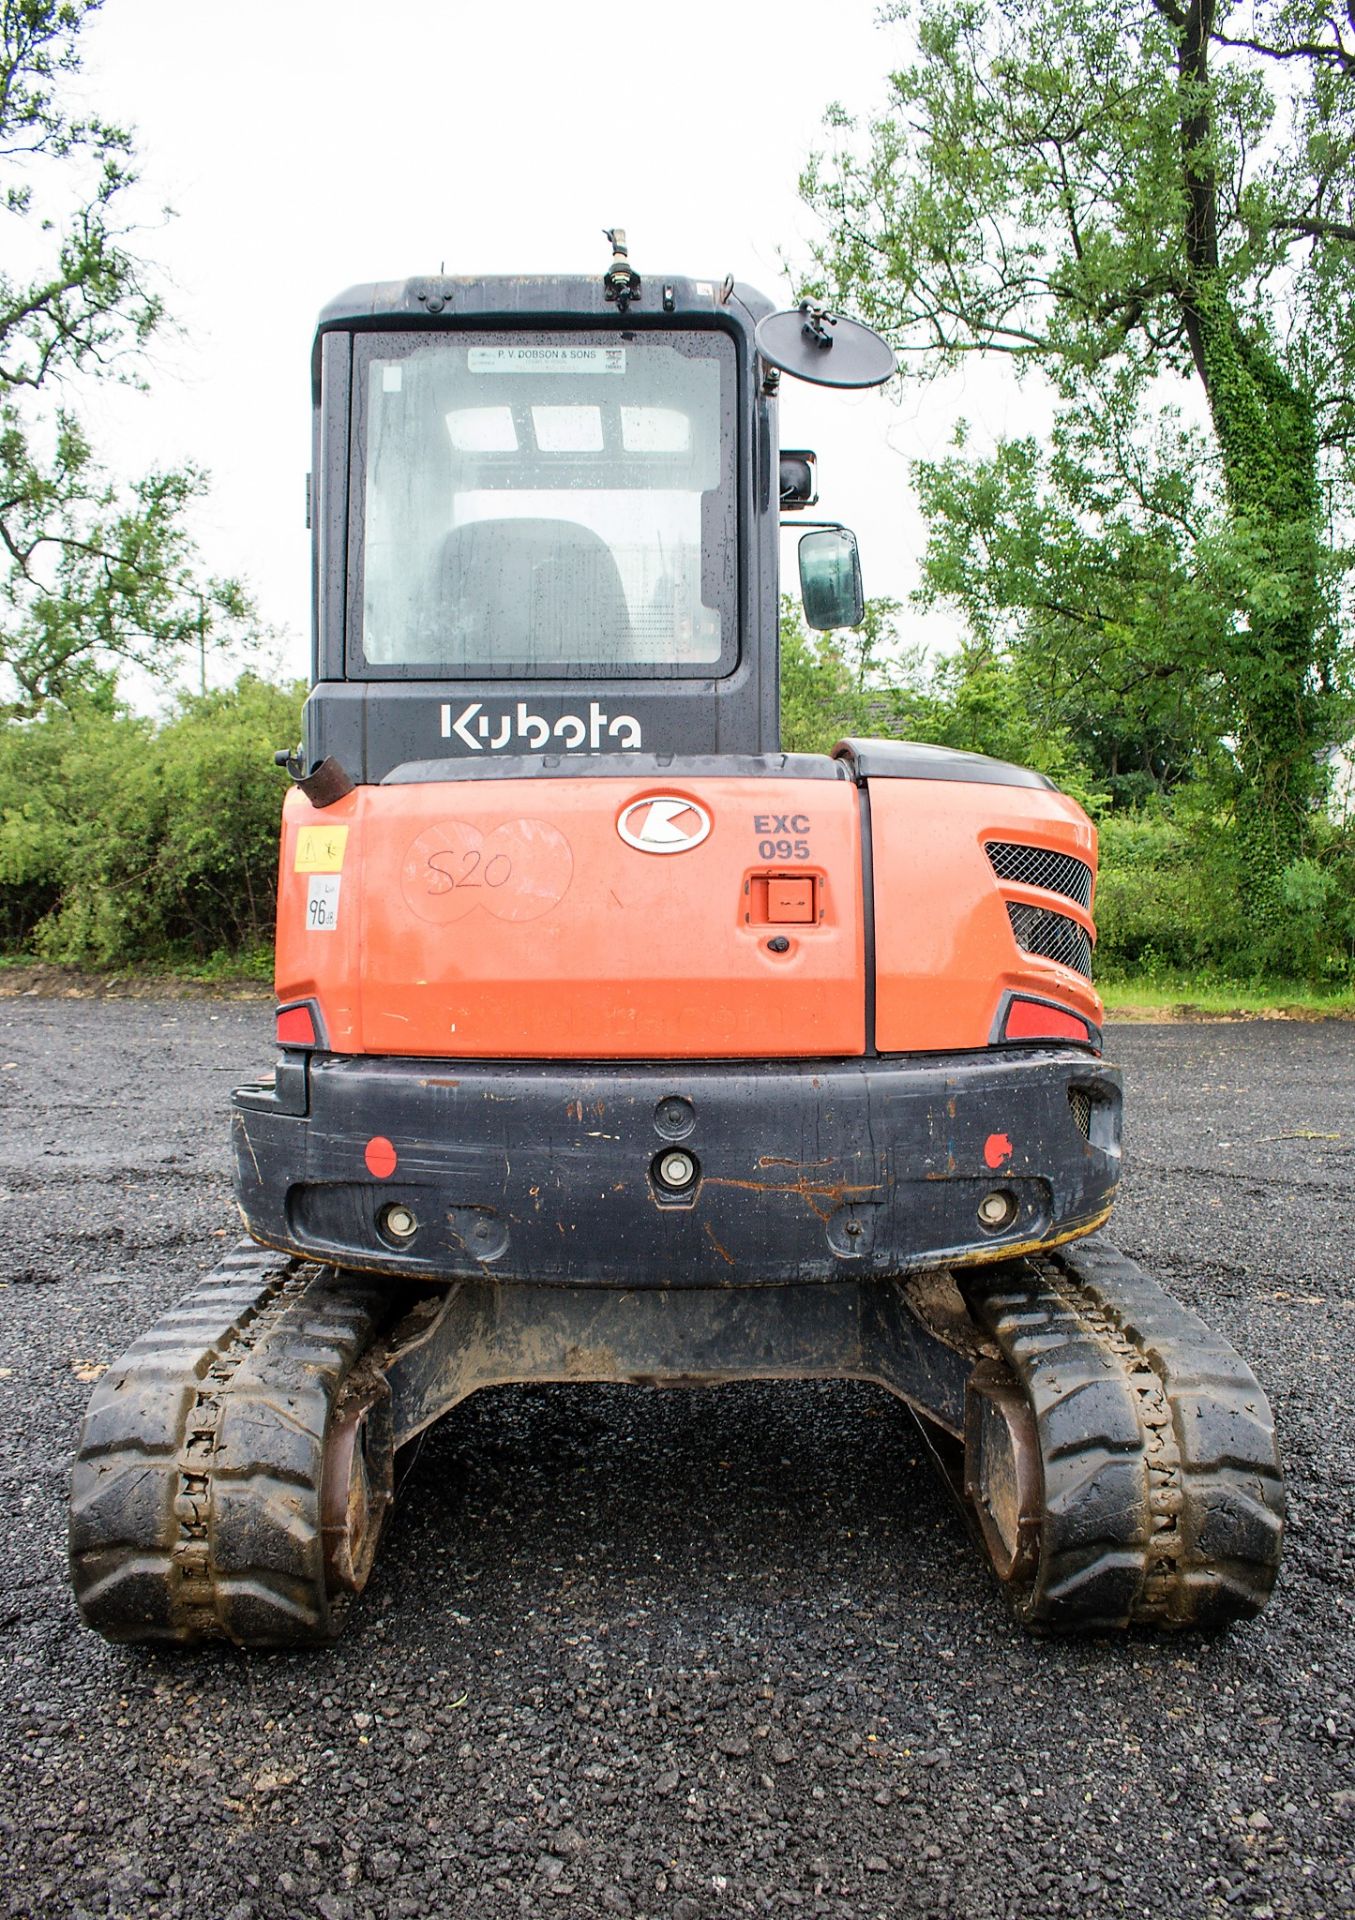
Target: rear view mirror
(830,579)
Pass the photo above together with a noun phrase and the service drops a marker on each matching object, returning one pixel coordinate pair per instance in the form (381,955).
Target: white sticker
(392,379)
(322,902)
(545,359)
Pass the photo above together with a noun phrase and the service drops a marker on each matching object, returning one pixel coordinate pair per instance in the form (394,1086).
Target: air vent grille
(1042,867)
(1081,1107)
(1052,935)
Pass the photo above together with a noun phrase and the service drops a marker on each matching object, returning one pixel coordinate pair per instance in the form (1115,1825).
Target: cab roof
(450,297)
(512,295)
(442,300)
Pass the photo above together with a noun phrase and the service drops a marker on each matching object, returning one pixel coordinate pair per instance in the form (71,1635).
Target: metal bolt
(676,1169)
(400,1222)
(998,1208)
(778,944)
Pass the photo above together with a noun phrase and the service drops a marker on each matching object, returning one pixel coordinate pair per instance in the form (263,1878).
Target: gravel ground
(682,1654)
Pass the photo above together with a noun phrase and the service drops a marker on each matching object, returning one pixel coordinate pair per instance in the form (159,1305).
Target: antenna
(620,282)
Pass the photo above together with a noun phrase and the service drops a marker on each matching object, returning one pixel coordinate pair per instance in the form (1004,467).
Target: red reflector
(381,1157)
(295,1027)
(1029,1020)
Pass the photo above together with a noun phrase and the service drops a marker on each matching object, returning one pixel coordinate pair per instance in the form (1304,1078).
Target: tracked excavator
(615,1043)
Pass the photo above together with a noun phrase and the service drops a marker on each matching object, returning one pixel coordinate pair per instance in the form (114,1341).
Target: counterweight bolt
(997,1209)
(676,1170)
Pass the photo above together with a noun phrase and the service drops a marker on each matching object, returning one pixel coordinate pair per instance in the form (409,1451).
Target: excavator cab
(616,1043)
(547,521)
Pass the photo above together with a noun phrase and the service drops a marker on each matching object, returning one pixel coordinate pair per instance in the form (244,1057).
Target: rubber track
(1163,1496)
(195,1497)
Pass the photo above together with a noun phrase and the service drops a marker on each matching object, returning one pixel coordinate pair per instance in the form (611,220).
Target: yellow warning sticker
(320,850)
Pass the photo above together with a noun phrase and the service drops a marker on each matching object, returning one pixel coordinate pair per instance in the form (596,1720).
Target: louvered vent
(1041,867)
(1052,935)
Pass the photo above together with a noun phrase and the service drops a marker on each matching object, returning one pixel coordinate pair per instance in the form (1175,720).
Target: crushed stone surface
(679,1655)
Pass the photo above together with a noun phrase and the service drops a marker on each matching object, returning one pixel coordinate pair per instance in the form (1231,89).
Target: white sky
(306,145)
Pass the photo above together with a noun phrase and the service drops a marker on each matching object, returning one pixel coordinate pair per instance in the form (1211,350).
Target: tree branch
(1333,53)
(1313,228)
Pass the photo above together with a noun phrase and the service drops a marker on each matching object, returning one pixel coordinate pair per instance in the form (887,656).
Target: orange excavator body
(547,875)
(493,920)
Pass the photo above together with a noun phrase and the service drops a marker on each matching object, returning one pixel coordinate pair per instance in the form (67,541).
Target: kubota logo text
(479,730)
(663,824)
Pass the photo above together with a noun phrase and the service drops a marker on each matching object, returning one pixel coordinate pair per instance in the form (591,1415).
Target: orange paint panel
(489,919)
(312,961)
(495,919)
(945,951)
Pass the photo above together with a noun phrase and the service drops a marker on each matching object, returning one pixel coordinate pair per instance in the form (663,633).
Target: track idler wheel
(1120,1459)
(357,1485)
(235,1466)
(1002,1481)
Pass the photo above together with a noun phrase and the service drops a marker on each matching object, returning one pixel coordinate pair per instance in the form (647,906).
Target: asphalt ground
(675,1655)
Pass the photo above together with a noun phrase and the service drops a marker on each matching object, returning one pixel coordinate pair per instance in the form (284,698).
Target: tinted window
(545,503)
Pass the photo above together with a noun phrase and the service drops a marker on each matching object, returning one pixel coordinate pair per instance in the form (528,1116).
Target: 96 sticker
(322,902)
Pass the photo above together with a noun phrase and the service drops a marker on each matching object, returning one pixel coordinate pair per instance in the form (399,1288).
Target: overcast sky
(306,145)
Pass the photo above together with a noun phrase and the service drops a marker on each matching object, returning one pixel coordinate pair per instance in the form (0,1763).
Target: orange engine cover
(496,919)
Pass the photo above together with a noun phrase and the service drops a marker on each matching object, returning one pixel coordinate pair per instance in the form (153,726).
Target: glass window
(545,503)
(655,430)
(568,429)
(482,430)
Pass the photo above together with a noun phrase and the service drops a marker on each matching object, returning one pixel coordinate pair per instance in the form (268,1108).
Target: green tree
(1121,196)
(92,573)
(822,696)
(865,681)
(1103,612)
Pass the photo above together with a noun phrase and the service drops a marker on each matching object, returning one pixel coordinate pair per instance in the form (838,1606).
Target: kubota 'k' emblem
(663,824)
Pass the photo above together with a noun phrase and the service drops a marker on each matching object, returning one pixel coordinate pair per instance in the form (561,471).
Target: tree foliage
(92,573)
(1169,903)
(127,842)
(1126,196)
(867,681)
(1108,616)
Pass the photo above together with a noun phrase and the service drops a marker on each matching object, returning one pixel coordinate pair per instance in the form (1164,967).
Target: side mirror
(830,579)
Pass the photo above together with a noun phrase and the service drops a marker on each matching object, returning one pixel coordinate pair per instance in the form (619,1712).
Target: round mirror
(821,347)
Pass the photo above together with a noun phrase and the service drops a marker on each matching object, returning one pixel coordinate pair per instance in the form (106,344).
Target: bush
(821,701)
(1164,899)
(1169,900)
(127,843)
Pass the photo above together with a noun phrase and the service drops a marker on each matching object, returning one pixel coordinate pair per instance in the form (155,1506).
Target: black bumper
(807,1171)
